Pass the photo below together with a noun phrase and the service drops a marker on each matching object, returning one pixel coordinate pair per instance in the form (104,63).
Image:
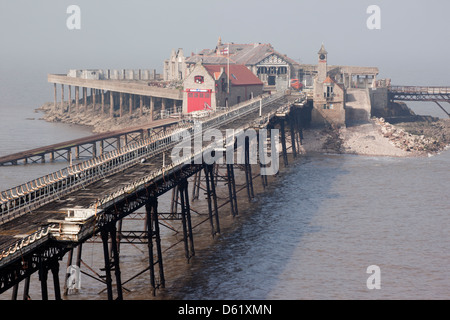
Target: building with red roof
(208,87)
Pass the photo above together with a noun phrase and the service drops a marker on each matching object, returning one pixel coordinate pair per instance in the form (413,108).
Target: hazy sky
(411,47)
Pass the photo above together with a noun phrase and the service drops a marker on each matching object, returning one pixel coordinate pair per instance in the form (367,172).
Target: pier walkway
(46,218)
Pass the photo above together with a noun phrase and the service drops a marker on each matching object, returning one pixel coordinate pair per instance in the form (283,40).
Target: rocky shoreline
(380,138)
(376,138)
(94,119)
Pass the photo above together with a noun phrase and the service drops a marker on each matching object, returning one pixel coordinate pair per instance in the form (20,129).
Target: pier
(237,119)
(45,219)
(90,146)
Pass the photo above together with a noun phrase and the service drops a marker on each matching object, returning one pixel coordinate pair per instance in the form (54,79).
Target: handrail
(112,162)
(14,203)
(420,89)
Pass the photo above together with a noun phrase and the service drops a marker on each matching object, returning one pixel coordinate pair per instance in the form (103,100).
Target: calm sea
(311,235)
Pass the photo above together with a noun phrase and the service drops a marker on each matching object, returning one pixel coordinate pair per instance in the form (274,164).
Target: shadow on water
(246,259)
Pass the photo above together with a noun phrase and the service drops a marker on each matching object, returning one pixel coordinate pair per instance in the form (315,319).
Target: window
(224,85)
(199,79)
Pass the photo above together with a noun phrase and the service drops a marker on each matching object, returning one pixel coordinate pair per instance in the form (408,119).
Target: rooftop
(238,74)
(244,54)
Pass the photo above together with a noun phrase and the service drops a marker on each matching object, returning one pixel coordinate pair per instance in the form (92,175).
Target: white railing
(46,189)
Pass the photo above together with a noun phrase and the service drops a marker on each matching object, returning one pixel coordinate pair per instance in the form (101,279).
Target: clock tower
(322,66)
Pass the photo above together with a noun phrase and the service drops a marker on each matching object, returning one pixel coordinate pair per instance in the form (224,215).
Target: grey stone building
(174,68)
(271,67)
(328,95)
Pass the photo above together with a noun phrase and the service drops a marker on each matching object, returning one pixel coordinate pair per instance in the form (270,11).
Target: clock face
(322,57)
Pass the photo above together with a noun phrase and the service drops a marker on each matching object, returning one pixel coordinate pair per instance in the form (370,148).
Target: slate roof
(242,54)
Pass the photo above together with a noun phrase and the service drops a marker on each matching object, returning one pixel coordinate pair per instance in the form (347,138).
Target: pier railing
(69,179)
(38,192)
(422,90)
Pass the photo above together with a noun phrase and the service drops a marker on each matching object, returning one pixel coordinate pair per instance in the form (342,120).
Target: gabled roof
(329,80)
(245,54)
(239,75)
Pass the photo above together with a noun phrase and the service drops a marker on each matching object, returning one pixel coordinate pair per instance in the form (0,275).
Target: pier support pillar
(153,234)
(131,104)
(283,142)
(77,98)
(163,105)
(120,104)
(262,161)
(70,100)
(62,98)
(248,170)
(113,262)
(152,107)
(94,97)
(293,136)
(111,104)
(232,190)
(103,101)
(26,289)
(54,91)
(43,276)
(186,219)
(54,267)
(212,198)
(85,99)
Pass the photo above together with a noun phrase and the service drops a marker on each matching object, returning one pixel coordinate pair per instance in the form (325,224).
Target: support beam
(69,110)
(77,98)
(120,104)
(292,130)
(283,142)
(108,279)
(153,233)
(111,104)
(248,170)
(54,267)
(211,198)
(85,99)
(152,107)
(55,101)
(103,101)
(448,114)
(62,98)
(186,220)
(43,276)
(232,190)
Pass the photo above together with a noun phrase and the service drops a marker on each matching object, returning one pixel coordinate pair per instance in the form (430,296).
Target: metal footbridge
(421,93)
